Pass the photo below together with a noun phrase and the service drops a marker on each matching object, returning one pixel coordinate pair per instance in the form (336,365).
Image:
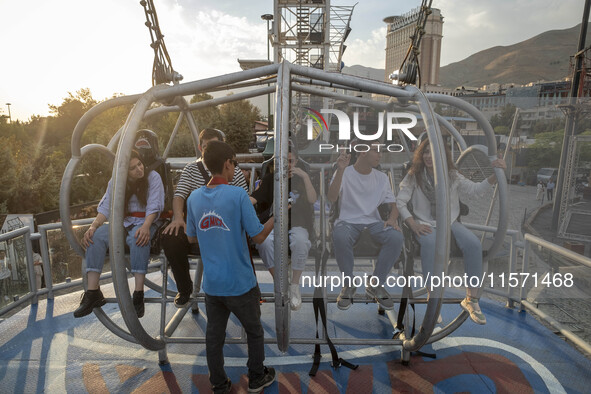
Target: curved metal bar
(117,213)
(281,242)
(215,101)
(352,81)
(111,326)
(65,189)
(114,141)
(185,89)
(93,113)
(345,97)
(309,81)
(503,223)
(451,327)
(262,81)
(442,238)
(158,288)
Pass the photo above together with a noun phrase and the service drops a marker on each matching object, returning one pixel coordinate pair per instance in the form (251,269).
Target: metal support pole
(492,202)
(569,127)
(281,241)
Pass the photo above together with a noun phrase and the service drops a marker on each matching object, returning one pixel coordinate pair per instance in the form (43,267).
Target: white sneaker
(295,297)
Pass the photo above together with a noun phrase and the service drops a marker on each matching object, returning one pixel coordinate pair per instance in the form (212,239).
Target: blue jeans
(247,309)
(468,243)
(346,234)
(97,251)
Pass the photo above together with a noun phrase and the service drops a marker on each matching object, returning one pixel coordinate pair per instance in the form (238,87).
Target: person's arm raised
(335,186)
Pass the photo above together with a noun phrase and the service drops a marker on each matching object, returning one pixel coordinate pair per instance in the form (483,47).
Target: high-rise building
(400,28)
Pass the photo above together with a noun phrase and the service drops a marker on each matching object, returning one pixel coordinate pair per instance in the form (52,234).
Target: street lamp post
(268,18)
(9,117)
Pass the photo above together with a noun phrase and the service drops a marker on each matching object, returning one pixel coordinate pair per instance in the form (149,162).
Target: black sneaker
(138,303)
(266,380)
(223,388)
(90,299)
(181,300)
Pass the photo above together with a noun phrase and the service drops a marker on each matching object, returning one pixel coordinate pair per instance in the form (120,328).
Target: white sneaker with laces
(295,297)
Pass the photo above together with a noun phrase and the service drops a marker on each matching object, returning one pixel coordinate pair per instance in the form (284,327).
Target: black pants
(247,309)
(176,249)
(550,193)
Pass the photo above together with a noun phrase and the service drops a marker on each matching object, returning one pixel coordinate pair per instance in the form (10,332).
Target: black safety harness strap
(319,308)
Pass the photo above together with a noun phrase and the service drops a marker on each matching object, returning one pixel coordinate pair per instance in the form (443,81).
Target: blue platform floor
(44,349)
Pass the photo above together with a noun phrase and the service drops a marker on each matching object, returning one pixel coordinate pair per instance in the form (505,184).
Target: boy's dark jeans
(247,309)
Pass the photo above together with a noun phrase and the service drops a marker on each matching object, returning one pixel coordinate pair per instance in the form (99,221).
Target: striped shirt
(192,179)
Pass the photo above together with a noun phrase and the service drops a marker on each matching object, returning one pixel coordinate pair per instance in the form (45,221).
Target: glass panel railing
(14,273)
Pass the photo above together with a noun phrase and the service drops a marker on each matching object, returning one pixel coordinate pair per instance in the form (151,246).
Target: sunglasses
(233,161)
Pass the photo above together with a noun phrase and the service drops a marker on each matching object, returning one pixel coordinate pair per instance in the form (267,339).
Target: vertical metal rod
(496,190)
(30,266)
(194,129)
(43,243)
(569,127)
(512,260)
(281,241)
(524,269)
(442,238)
(173,135)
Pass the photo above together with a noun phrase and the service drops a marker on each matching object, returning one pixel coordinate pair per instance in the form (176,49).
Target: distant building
(400,28)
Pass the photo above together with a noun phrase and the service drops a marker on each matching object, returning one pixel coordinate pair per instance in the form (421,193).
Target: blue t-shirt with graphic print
(219,218)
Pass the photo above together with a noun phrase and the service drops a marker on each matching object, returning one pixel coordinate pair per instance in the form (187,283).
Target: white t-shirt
(360,196)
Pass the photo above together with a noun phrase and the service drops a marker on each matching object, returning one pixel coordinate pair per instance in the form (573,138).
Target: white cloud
(370,52)
(208,42)
(105,47)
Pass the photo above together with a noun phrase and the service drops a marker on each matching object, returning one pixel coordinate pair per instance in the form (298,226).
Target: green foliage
(504,118)
(34,154)
(547,125)
(238,118)
(209,117)
(502,130)
(545,152)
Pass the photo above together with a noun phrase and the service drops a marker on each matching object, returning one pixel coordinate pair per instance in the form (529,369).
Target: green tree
(238,119)
(504,118)
(502,130)
(209,117)
(65,116)
(547,125)
(545,152)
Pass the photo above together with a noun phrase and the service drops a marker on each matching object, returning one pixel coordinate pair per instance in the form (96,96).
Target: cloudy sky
(54,47)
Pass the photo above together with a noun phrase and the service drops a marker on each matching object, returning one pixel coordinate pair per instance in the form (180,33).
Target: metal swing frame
(285,79)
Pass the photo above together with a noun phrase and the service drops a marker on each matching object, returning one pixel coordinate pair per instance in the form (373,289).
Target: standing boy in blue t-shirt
(219,216)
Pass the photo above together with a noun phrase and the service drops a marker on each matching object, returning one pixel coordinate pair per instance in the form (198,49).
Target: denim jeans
(247,309)
(97,251)
(299,244)
(346,234)
(468,243)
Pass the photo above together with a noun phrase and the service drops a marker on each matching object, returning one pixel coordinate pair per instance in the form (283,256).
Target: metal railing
(580,259)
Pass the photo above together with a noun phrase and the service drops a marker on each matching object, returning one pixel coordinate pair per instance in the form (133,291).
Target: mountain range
(545,57)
